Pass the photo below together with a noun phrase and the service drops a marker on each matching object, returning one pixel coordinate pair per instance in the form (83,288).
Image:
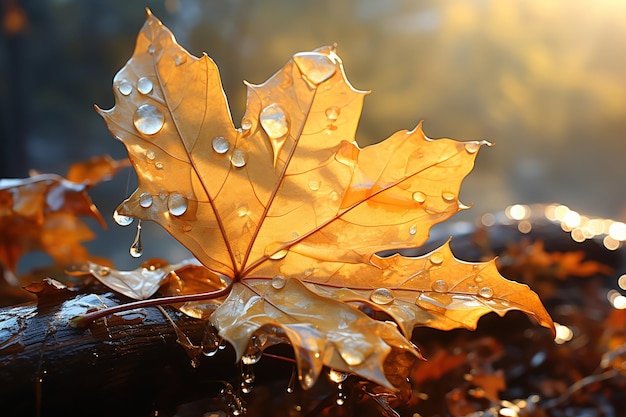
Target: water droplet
(292,381)
(274,121)
(177,204)
(145,200)
(472,147)
(413,230)
(478,279)
(314,184)
(352,357)
(246,124)
(485,292)
(279,255)
(136,249)
(341,395)
(419,197)
(307,380)
(187,228)
(220,144)
(242,210)
(151,49)
(121,219)
(381,296)
(278,282)
(440,286)
(332,113)
(448,196)
(180,59)
(158,165)
(148,119)
(252,356)
(144,85)
(316,67)
(238,158)
(337,376)
(436,258)
(247,378)
(272,250)
(150,155)
(210,342)
(104,271)
(505,303)
(125,88)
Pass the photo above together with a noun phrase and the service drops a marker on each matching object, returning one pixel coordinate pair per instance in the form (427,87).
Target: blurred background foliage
(545,80)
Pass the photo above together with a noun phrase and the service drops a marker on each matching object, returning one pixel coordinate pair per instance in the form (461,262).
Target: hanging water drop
(125,88)
(121,219)
(136,249)
(177,204)
(150,155)
(145,200)
(144,85)
(220,144)
(292,381)
(440,286)
(279,255)
(239,158)
(485,292)
(419,197)
(337,376)
(316,67)
(210,342)
(247,378)
(148,119)
(341,395)
(274,121)
(381,296)
(278,282)
(436,258)
(332,113)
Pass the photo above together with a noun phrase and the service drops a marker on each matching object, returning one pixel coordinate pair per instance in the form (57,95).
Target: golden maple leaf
(292,212)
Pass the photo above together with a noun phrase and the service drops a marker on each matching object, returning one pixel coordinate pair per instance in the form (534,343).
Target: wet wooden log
(126,364)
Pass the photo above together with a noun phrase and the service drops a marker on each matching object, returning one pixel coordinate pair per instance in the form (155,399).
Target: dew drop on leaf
(419,197)
(381,296)
(220,144)
(148,119)
(478,279)
(485,292)
(121,219)
(472,147)
(125,88)
(332,113)
(314,184)
(316,67)
(239,158)
(448,196)
(158,165)
(144,85)
(413,230)
(177,204)
(278,282)
(272,252)
(242,210)
(145,200)
(436,258)
(136,248)
(274,121)
(150,155)
(180,59)
(440,286)
(151,49)
(246,124)
(352,357)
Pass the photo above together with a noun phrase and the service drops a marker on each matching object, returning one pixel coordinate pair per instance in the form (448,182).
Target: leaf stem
(83,320)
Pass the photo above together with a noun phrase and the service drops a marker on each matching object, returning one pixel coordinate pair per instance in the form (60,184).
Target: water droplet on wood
(148,119)
(144,85)
(177,204)
(381,296)
(220,144)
